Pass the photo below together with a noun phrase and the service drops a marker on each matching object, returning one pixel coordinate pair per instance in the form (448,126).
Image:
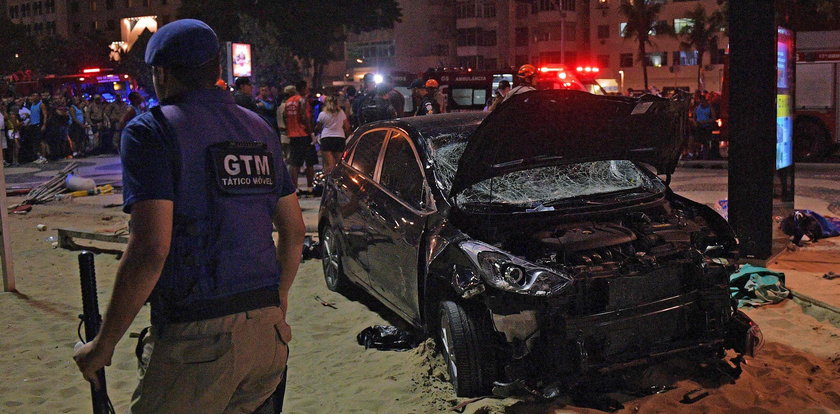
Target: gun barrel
(92,320)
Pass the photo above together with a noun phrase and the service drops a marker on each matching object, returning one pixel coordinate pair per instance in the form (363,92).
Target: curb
(723,164)
(815,302)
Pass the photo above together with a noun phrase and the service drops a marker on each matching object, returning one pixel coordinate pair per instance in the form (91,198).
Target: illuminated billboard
(240,59)
(785,57)
(132,27)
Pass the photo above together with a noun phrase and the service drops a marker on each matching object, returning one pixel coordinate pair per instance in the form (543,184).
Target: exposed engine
(644,281)
(634,259)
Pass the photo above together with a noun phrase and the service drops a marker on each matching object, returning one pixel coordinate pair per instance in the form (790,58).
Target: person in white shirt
(332,127)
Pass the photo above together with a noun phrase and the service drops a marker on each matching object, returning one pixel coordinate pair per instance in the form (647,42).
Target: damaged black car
(537,243)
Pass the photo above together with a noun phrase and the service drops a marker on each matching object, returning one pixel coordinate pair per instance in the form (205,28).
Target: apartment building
(120,21)
(47,17)
(498,34)
(425,38)
(669,65)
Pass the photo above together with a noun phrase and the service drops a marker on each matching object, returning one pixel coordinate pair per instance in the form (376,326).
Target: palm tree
(642,24)
(701,35)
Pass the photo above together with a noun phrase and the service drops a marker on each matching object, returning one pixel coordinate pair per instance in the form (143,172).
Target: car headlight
(510,273)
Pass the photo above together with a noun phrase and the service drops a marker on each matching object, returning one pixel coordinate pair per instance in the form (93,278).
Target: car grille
(627,291)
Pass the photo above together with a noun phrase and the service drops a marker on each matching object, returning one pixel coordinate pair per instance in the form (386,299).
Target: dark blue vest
(223,258)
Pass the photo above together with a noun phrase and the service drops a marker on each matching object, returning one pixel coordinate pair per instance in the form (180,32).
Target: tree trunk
(317,75)
(643,55)
(701,81)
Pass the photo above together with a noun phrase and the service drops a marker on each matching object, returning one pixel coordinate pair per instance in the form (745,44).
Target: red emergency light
(550,69)
(92,70)
(588,69)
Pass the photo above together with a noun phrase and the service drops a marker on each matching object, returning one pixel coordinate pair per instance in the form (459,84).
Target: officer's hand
(91,357)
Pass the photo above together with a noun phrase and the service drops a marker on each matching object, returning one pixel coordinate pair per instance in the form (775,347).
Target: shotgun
(92,320)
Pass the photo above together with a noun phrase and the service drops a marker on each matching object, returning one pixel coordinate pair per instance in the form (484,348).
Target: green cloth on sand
(756,286)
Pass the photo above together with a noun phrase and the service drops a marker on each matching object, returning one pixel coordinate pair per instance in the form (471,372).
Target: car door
(398,211)
(352,196)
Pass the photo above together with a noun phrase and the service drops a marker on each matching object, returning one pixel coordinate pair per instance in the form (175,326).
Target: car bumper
(548,342)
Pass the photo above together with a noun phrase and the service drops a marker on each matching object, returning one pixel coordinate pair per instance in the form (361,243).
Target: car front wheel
(331,260)
(469,359)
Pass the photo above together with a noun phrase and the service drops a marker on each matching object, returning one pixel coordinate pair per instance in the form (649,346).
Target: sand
(798,371)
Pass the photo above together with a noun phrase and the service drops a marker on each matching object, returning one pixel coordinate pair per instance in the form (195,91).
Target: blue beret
(186,42)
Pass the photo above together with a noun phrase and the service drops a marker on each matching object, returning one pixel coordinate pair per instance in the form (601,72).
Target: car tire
(331,260)
(464,341)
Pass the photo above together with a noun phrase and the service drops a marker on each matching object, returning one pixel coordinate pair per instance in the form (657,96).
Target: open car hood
(554,127)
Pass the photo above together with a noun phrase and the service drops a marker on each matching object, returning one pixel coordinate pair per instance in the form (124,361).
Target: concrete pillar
(752,115)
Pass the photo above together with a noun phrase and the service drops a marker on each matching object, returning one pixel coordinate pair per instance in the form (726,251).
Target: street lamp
(621,88)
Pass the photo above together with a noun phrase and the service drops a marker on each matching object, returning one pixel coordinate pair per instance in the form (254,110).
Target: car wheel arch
(437,283)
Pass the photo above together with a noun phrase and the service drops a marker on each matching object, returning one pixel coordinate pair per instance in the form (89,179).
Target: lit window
(657,59)
(680,24)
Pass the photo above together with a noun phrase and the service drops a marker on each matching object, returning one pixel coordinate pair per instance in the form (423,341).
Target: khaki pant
(230,364)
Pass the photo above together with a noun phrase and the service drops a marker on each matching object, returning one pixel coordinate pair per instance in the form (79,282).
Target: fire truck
(558,77)
(588,77)
(816,129)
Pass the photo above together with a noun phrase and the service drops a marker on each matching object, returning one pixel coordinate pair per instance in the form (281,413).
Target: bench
(66,236)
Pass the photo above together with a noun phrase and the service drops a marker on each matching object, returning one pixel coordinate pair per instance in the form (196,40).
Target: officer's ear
(159,81)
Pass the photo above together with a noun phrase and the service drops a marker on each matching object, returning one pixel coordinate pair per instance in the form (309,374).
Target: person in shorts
(302,152)
(206,186)
(333,127)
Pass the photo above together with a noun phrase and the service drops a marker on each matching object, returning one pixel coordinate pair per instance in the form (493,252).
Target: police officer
(416,98)
(202,197)
(527,75)
(244,93)
(365,98)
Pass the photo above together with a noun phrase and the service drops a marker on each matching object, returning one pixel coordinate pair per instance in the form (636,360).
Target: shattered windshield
(540,185)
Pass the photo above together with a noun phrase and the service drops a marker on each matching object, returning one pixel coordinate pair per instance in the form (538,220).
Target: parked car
(535,243)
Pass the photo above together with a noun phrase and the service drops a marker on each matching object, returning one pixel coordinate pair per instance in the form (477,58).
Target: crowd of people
(44,127)
(322,121)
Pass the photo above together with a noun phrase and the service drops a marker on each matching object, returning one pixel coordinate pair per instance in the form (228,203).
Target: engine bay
(624,242)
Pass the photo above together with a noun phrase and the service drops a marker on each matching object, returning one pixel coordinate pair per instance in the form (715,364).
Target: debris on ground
(694,395)
(756,286)
(325,303)
(311,249)
(386,338)
(46,191)
(807,223)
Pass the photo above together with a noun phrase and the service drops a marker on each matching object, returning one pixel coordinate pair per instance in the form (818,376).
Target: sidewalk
(804,268)
(724,164)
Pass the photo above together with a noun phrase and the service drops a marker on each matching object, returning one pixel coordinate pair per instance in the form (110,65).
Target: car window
(400,172)
(367,151)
